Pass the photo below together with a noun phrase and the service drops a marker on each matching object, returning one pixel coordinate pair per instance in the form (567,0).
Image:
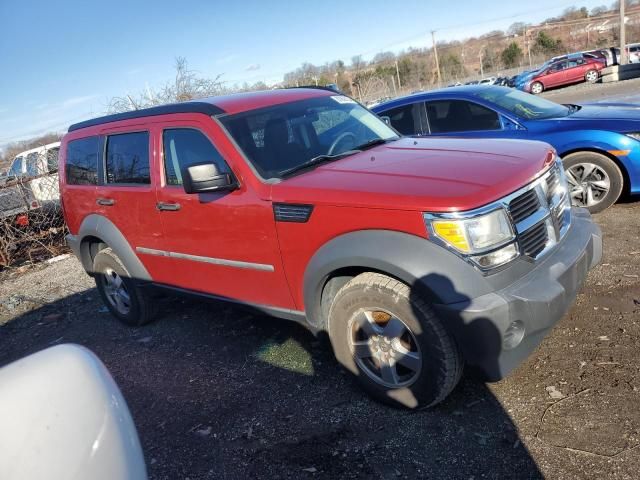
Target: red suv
(415,256)
(565,72)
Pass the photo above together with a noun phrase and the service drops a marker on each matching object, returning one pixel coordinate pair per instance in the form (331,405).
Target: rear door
(126,192)
(575,70)
(221,243)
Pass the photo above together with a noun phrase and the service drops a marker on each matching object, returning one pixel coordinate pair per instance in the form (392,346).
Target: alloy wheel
(592,76)
(536,88)
(116,291)
(588,184)
(384,348)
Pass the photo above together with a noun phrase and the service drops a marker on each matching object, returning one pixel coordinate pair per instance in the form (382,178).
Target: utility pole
(481,69)
(528,42)
(398,74)
(623,40)
(435,54)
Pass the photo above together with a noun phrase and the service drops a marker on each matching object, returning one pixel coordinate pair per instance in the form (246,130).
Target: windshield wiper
(373,143)
(315,161)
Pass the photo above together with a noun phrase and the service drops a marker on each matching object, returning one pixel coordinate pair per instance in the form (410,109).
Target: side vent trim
(294,213)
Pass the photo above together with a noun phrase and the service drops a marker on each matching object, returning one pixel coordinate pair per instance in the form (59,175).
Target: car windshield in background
(284,139)
(523,104)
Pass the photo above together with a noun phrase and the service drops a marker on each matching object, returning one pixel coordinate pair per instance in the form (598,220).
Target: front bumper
(531,305)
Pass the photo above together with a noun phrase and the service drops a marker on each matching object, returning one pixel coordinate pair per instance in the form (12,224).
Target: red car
(414,256)
(566,72)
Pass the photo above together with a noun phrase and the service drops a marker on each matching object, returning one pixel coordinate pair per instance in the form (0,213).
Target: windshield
(278,140)
(524,104)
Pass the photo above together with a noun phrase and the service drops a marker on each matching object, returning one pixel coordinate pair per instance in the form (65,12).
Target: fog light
(497,258)
(513,336)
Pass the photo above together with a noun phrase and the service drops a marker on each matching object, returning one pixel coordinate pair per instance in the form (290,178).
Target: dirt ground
(217,392)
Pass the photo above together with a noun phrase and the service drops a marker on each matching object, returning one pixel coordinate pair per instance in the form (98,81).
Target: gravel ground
(627,91)
(218,392)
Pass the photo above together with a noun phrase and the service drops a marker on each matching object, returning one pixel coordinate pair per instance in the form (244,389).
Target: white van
(40,166)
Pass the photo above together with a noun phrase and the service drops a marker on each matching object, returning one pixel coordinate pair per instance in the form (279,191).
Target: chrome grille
(541,212)
(552,181)
(524,205)
(534,240)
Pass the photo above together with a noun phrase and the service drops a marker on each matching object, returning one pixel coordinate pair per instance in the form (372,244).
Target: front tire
(122,296)
(595,181)
(390,338)
(537,88)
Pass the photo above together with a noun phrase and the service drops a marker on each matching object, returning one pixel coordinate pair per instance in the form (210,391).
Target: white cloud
(253,67)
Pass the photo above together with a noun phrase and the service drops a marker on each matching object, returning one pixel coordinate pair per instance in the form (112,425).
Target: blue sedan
(599,143)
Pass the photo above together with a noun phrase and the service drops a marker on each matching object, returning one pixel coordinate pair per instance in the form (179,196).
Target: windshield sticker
(342,99)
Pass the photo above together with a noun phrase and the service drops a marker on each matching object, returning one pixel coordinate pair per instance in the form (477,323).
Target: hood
(425,174)
(615,117)
(608,111)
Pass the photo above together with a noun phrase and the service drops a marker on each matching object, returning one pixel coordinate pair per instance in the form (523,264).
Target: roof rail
(183,107)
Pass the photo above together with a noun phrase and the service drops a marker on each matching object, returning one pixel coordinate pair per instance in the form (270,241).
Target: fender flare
(101,227)
(439,274)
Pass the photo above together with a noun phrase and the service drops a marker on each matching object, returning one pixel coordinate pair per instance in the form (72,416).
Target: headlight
(477,237)
(635,135)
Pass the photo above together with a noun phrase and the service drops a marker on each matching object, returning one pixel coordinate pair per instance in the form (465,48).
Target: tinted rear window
(82,161)
(128,158)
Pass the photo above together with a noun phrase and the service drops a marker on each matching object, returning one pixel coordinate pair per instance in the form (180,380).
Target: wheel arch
(436,273)
(97,232)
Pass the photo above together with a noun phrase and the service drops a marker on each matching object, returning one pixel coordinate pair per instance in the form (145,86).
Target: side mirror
(386,120)
(206,177)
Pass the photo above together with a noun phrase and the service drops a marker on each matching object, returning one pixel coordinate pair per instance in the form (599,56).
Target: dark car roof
(234,103)
(459,91)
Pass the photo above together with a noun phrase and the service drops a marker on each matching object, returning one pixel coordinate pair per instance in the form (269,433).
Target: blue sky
(63,60)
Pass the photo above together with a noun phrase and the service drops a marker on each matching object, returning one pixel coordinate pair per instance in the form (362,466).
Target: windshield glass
(524,104)
(280,138)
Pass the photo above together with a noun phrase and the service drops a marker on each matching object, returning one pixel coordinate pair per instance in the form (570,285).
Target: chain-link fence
(31,222)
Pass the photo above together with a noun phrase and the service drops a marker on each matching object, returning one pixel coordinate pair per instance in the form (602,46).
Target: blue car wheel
(595,181)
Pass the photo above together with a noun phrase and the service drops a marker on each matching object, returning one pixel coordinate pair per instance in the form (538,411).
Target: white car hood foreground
(63,417)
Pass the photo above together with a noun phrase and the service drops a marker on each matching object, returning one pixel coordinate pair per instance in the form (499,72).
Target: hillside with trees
(498,52)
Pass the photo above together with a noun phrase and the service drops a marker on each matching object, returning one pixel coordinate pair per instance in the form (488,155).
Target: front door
(221,243)
(461,118)
(556,74)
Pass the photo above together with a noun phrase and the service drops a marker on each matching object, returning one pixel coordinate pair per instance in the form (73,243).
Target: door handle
(106,202)
(168,207)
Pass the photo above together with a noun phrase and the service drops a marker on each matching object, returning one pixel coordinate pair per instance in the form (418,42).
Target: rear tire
(595,181)
(390,338)
(537,88)
(591,76)
(122,296)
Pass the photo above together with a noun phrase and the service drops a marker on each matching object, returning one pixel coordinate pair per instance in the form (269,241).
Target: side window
(128,158)
(460,116)
(185,146)
(52,160)
(81,166)
(556,67)
(405,119)
(32,165)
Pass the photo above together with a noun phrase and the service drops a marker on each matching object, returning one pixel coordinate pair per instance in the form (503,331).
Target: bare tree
(186,85)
